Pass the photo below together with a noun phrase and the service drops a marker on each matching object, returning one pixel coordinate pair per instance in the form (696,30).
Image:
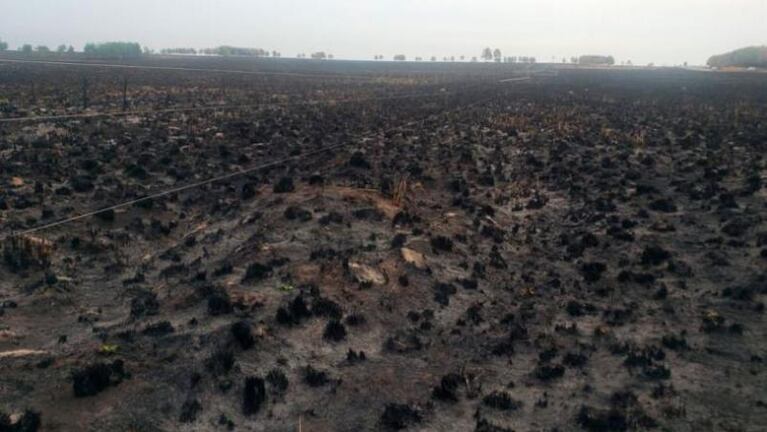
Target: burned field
(584,250)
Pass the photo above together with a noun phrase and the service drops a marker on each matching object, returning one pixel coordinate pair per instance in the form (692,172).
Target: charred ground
(585,250)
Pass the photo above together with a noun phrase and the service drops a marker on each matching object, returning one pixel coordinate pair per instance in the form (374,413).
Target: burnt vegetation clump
(496,244)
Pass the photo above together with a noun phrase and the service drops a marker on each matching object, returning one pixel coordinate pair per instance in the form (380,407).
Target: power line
(176,189)
(212,180)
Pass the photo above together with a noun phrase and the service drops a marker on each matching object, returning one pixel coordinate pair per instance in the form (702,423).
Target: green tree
(184,51)
(3,45)
(596,60)
(497,55)
(487,54)
(61,49)
(755,56)
(42,49)
(113,49)
(26,48)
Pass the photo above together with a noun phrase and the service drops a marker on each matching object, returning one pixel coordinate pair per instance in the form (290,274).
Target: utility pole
(85,93)
(125,94)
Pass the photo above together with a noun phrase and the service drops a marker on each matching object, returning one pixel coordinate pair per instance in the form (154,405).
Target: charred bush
(501,401)
(95,378)
(358,160)
(404,342)
(575,359)
(331,218)
(355,319)
(298,213)
(576,309)
(219,303)
(144,304)
(369,213)
(485,426)
(447,388)
(441,244)
(443,292)
(663,205)
(277,381)
(355,357)
(592,271)
(399,416)
(243,334)
(190,410)
(294,312)
(284,185)
(398,240)
(248,191)
(737,227)
(28,422)
(595,420)
(24,252)
(334,331)
(549,372)
(674,342)
(161,328)
(220,362)
(254,395)
(654,255)
(327,308)
(315,378)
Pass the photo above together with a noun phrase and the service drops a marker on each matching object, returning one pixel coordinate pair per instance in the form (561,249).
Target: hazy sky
(660,31)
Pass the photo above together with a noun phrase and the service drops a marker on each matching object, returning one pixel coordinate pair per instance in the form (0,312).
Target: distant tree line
(755,56)
(185,51)
(596,60)
(488,54)
(226,51)
(113,49)
(321,55)
(28,48)
(520,59)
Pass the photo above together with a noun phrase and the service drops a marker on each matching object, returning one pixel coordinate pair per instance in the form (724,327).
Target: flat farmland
(207,244)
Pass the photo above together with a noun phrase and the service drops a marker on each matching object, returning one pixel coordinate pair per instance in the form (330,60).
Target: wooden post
(125,94)
(85,93)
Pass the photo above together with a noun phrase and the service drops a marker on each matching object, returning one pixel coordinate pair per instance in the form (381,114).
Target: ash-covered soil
(586,250)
